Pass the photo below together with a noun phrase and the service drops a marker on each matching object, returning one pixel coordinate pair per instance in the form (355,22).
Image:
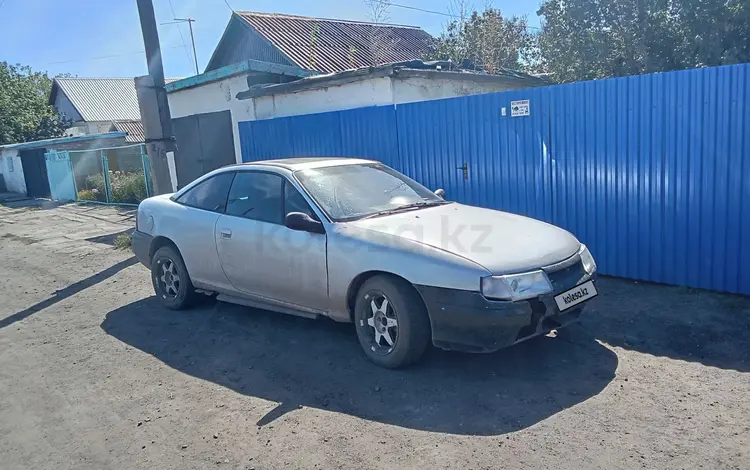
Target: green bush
(128,187)
(125,187)
(86,195)
(95,185)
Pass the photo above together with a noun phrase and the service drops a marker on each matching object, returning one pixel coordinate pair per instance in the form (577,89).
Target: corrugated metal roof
(102,99)
(133,129)
(329,45)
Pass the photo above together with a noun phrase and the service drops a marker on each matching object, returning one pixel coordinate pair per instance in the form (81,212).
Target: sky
(102,38)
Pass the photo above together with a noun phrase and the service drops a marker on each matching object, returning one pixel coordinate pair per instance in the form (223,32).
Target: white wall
(98,127)
(12,171)
(412,89)
(89,128)
(208,98)
(221,96)
(371,92)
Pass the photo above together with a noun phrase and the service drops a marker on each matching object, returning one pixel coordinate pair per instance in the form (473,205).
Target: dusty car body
(356,241)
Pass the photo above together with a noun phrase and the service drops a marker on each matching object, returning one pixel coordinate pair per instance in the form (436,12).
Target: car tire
(174,290)
(395,334)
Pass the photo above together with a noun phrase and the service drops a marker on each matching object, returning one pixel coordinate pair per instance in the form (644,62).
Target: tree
(588,39)
(25,114)
(487,40)
(380,43)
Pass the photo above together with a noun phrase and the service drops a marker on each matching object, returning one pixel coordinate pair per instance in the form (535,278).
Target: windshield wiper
(405,207)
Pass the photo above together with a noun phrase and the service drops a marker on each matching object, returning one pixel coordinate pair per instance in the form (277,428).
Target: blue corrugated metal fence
(364,132)
(652,172)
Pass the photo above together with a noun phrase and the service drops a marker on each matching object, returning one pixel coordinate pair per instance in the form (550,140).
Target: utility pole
(190,22)
(153,103)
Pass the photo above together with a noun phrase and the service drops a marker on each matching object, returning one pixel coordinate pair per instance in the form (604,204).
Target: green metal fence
(114,175)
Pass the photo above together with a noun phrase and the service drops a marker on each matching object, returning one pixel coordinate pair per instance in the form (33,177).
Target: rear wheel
(170,278)
(391,321)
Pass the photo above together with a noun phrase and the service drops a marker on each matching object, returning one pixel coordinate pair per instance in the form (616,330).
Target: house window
(10,164)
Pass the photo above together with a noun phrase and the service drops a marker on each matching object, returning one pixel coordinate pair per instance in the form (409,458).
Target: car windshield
(349,192)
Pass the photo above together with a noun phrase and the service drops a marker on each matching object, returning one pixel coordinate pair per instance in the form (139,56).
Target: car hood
(501,242)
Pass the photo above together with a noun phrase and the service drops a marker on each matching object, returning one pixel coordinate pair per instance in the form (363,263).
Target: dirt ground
(95,375)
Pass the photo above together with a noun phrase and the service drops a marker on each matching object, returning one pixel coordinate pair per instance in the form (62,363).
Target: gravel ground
(94,374)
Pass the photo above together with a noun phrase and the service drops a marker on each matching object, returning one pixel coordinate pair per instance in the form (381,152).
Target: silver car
(356,241)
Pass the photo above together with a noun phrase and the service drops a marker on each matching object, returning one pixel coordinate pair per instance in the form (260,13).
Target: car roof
(303,163)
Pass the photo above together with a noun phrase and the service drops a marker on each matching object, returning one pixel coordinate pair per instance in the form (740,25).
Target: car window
(257,196)
(210,195)
(295,202)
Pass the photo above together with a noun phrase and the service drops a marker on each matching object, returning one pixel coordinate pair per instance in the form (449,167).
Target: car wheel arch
(360,279)
(159,242)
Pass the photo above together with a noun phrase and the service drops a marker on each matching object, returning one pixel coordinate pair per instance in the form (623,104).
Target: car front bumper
(468,321)
(140,243)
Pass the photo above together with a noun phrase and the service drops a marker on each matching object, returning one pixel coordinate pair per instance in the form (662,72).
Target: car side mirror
(303,223)
(440,193)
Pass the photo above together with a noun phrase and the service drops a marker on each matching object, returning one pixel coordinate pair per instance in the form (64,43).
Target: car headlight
(516,286)
(588,261)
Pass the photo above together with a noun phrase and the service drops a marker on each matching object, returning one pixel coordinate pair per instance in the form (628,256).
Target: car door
(260,255)
(192,229)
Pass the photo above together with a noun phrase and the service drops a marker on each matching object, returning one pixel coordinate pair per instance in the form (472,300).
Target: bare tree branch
(380,42)
(378,11)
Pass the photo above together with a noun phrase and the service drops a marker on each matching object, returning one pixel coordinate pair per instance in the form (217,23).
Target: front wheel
(391,321)
(170,278)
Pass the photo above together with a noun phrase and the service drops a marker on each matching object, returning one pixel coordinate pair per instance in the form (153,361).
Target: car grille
(568,277)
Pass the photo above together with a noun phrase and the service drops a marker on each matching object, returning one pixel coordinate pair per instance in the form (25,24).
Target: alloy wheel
(384,323)
(169,280)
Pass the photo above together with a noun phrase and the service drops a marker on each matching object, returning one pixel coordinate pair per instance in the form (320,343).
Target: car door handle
(226,233)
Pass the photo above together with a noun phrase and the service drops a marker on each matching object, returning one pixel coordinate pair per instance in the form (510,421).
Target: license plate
(578,294)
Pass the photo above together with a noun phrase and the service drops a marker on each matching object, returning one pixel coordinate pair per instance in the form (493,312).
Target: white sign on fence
(519,108)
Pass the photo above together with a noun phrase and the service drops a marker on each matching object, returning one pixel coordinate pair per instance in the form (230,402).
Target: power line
(182,38)
(432,12)
(407,7)
(228,5)
(190,22)
(101,57)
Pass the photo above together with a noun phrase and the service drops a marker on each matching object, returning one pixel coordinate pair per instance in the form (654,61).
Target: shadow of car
(709,328)
(299,362)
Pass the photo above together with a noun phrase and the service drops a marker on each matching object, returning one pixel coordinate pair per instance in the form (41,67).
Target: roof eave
(317,82)
(387,70)
(60,140)
(227,71)
(468,76)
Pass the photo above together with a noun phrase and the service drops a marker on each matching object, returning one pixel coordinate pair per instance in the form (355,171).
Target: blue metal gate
(60,173)
(479,155)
